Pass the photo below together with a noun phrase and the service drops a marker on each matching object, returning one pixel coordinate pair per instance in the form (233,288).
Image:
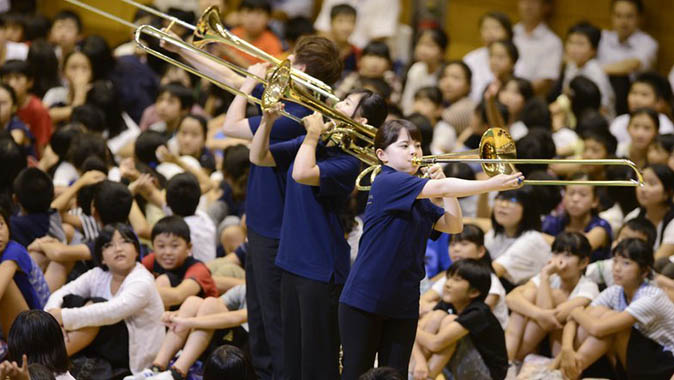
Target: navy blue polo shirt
(266,186)
(385,277)
(313,244)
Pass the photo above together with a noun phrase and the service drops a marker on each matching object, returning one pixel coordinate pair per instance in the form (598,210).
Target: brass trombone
(354,138)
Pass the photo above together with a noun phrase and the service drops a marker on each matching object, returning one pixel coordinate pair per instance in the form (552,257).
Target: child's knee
(211,305)
(191,305)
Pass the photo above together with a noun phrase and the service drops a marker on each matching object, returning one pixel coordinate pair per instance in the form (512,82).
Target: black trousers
(263,297)
(365,334)
(310,329)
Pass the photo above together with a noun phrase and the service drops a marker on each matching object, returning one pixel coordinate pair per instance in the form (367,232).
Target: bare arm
(7,270)
(175,296)
(624,67)
(89,178)
(447,335)
(665,250)
(259,153)
(236,125)
(205,182)
(597,237)
(607,325)
(305,170)
(214,321)
(138,222)
(456,187)
(518,300)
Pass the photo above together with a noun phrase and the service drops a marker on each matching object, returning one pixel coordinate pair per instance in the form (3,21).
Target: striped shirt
(651,308)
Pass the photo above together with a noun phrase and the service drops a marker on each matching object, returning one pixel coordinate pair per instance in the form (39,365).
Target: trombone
(354,138)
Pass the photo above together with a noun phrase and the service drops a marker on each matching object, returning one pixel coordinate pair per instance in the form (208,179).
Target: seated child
(65,32)
(342,25)
(428,102)
(643,127)
(469,244)
(177,274)
(34,194)
(112,311)
(631,321)
(660,150)
(11,123)
(191,139)
(22,285)
(228,362)
(540,307)
(198,328)
(174,101)
(461,332)
(254,15)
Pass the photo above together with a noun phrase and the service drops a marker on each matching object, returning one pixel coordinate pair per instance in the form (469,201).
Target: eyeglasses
(116,244)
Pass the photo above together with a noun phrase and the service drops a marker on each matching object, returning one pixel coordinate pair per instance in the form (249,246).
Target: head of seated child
(182,194)
(650,90)
(598,144)
(14,25)
(77,69)
(495,26)
(658,187)
(228,362)
(66,30)
(454,81)
(467,281)
(34,191)
(625,17)
(580,201)
(117,249)
(171,242)
(469,244)
(111,203)
(429,48)
(173,103)
(515,212)
(571,253)
(582,42)
(375,60)
(37,334)
(191,135)
(342,23)
(364,106)
(643,127)
(632,263)
(661,149)
(428,102)
(637,228)
(503,56)
(254,16)
(19,76)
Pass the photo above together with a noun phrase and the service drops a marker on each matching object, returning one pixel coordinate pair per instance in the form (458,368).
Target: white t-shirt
(202,235)
(565,137)
(540,53)
(375,19)
(65,174)
(518,130)
(651,308)
(638,45)
(584,288)
(601,272)
(522,257)
(16,50)
(619,127)
(478,61)
(500,310)
(593,71)
(417,77)
(444,138)
(667,233)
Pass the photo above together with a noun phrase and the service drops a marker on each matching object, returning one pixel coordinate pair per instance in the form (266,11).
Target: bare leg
(593,348)
(11,304)
(57,274)
(555,342)
(439,360)
(69,230)
(533,335)
(77,340)
(175,340)
(513,334)
(40,259)
(198,340)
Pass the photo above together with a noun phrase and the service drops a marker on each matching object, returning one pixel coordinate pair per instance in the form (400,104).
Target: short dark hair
(651,113)
(665,141)
(592,120)
(438,36)
(536,114)
(185,95)
(262,5)
(85,145)
(502,19)
(17,66)
(467,72)
(105,96)
(38,335)
(320,57)
(475,235)
(477,275)
(378,49)
(146,145)
(100,56)
(62,138)
(38,371)
(531,216)
(297,27)
(605,138)
(203,123)
(381,373)
(585,95)
(34,189)
(105,237)
(510,47)
(112,201)
(371,106)
(228,362)
(183,193)
(69,15)
(431,93)
(638,251)
(574,243)
(90,116)
(343,9)
(642,226)
(590,31)
(389,132)
(537,143)
(426,129)
(637,4)
(13,160)
(172,225)
(660,85)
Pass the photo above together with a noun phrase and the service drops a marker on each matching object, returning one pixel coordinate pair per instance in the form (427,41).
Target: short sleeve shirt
(313,243)
(585,287)
(554,225)
(28,276)
(651,308)
(385,277)
(525,256)
(235,299)
(191,269)
(266,186)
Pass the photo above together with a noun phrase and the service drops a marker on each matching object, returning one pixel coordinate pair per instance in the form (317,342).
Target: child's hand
(12,371)
(178,324)
(314,124)
(421,371)
(492,89)
(554,265)
(92,177)
(568,364)
(258,69)
(507,181)
(127,169)
(547,320)
(164,155)
(273,112)
(434,172)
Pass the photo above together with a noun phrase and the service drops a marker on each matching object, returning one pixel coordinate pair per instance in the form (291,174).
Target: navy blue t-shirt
(385,277)
(313,244)
(266,186)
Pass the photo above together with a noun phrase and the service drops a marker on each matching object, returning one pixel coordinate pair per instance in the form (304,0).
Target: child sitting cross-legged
(177,274)
(541,306)
(462,331)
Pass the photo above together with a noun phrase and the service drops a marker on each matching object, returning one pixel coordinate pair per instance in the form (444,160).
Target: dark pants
(365,334)
(310,329)
(263,297)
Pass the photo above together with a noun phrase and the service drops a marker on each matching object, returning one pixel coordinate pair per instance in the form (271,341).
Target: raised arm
(259,148)
(305,170)
(236,124)
(62,202)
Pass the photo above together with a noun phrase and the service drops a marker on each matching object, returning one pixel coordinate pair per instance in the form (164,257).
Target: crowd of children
(154,226)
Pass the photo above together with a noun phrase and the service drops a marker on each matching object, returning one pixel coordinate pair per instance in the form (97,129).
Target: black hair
(172,225)
(467,72)
(548,197)
(477,275)
(481,110)
(502,19)
(510,47)
(203,123)
(593,120)
(37,334)
(426,128)
(16,66)
(297,27)
(666,175)
(638,251)
(536,114)
(378,49)
(12,93)
(574,243)
(252,5)
(651,113)
(459,170)
(90,116)
(228,363)
(45,67)
(389,132)
(625,197)
(37,371)
(523,86)
(371,106)
(590,31)
(100,56)
(378,86)
(13,160)
(5,215)
(34,189)
(183,193)
(605,138)
(60,142)
(531,216)
(235,167)
(537,143)
(431,93)
(342,9)
(146,145)
(438,36)
(665,141)
(66,14)
(183,15)
(475,235)
(94,163)
(105,237)
(660,85)
(112,201)
(184,94)
(37,28)
(637,4)
(642,226)
(584,95)
(381,373)
(85,145)
(104,96)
